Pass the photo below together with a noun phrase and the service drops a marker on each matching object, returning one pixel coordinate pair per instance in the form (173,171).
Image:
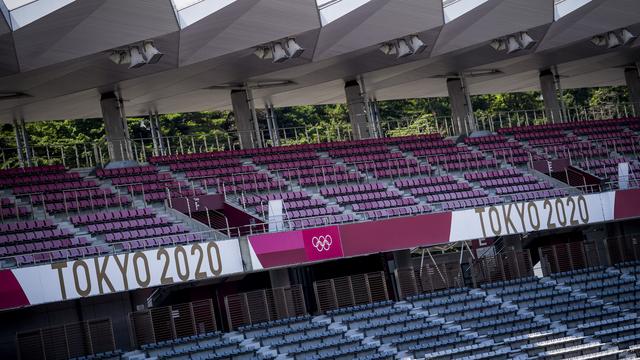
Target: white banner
(623,175)
(524,217)
(276,216)
(128,271)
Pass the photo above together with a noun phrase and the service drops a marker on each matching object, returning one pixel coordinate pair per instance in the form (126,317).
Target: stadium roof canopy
(55,54)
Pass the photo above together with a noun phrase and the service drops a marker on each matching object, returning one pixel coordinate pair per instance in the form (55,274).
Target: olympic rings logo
(322,243)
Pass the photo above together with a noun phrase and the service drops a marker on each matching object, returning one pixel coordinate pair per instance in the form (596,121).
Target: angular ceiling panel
(245,24)
(192,11)
(4,25)
(565,7)
(233,68)
(95,72)
(331,10)
(14,4)
(376,22)
(493,19)
(453,9)
(594,18)
(91,26)
(65,67)
(24,12)
(8,59)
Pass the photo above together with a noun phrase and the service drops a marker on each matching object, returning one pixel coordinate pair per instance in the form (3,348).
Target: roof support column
(549,95)
(279,278)
(152,128)
(374,112)
(272,123)
(358,114)
(115,127)
(25,142)
(631,75)
(254,116)
(19,149)
(462,120)
(244,113)
(159,134)
(402,258)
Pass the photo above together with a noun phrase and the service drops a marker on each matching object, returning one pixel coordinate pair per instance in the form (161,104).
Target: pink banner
(395,234)
(295,247)
(322,243)
(11,293)
(332,242)
(627,204)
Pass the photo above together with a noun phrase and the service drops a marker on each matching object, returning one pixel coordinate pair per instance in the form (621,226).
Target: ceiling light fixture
(599,40)
(263,52)
(513,43)
(627,36)
(136,55)
(403,49)
(404,46)
(416,44)
(525,40)
(293,48)
(279,51)
(388,49)
(151,54)
(137,59)
(615,38)
(498,45)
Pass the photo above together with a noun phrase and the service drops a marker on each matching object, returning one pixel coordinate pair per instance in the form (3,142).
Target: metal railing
(73,155)
(507,119)
(98,154)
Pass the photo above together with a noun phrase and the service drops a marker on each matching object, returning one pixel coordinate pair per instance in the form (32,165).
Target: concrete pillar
(374,112)
(267,111)
(19,149)
(279,278)
(274,125)
(551,103)
(152,129)
(357,107)
(402,258)
(513,242)
(633,83)
(463,121)
(242,114)
(115,127)
(25,142)
(159,133)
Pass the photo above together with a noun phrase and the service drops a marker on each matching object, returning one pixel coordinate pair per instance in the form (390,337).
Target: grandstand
(484,235)
(579,301)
